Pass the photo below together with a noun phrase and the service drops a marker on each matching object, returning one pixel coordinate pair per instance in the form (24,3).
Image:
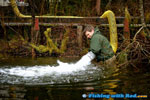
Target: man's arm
(95,45)
(86,59)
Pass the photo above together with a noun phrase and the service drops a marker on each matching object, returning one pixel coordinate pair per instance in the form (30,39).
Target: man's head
(89,31)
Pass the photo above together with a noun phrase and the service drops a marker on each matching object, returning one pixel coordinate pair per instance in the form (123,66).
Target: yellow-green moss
(122,57)
(51,46)
(127,14)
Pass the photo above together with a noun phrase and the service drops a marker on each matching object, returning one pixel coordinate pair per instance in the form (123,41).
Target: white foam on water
(34,71)
(82,70)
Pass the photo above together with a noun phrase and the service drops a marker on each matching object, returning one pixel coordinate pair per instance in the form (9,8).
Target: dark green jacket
(100,46)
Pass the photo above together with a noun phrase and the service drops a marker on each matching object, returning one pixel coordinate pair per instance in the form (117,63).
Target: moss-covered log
(51,46)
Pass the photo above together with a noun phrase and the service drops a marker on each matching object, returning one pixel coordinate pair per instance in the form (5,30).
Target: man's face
(89,34)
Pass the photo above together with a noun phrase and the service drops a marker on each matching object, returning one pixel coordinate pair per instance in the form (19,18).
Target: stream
(65,79)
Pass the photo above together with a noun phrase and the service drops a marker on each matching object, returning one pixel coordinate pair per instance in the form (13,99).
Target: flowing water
(67,79)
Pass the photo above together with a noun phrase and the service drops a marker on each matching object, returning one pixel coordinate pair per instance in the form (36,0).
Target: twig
(125,63)
(134,39)
(134,66)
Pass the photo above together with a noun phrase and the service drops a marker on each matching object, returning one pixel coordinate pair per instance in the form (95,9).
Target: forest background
(132,18)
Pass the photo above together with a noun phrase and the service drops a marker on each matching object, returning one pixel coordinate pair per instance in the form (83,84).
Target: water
(62,72)
(64,79)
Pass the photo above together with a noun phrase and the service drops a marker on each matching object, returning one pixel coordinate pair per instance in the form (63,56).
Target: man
(99,45)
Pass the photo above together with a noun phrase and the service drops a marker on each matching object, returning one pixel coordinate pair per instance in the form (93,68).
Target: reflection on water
(69,86)
(12,92)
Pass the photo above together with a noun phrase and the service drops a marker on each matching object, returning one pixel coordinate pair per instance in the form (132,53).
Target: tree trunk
(32,29)
(42,7)
(3,27)
(79,32)
(142,18)
(142,13)
(98,4)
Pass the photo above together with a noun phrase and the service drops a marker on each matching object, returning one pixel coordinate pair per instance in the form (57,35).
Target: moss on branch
(51,46)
